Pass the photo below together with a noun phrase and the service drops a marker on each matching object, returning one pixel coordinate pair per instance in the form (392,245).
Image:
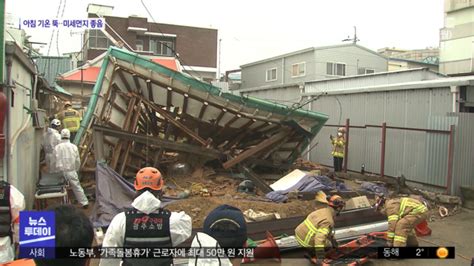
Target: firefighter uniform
(71,119)
(403,215)
(338,144)
(316,230)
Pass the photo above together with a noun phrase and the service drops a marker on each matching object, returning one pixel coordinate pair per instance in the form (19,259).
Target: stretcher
(356,252)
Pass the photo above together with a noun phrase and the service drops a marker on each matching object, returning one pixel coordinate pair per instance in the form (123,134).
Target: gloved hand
(334,242)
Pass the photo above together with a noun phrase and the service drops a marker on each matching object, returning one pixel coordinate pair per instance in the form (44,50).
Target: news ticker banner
(37,234)
(212,252)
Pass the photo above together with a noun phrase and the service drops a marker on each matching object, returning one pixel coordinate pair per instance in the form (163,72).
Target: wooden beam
(150,90)
(169,99)
(132,128)
(168,145)
(203,109)
(175,122)
(124,80)
(219,117)
(185,103)
(257,149)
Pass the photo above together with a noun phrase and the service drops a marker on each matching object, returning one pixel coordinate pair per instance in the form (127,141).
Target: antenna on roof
(353,40)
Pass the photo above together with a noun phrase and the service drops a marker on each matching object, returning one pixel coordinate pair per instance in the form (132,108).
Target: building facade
(313,63)
(195,47)
(457,38)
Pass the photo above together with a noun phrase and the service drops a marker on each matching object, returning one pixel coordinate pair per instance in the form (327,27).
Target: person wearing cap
(68,162)
(51,138)
(70,118)
(338,144)
(224,227)
(403,215)
(315,232)
(148,224)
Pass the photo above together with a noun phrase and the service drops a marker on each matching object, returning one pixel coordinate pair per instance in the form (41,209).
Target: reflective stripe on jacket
(398,208)
(338,147)
(71,119)
(316,229)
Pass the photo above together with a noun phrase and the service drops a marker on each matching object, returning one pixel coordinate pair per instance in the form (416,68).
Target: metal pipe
(382,152)
(450,160)
(346,147)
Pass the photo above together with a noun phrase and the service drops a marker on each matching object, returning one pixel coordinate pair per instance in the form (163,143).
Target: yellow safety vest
(71,120)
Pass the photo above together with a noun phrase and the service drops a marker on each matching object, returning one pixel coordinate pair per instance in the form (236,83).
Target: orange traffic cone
(266,250)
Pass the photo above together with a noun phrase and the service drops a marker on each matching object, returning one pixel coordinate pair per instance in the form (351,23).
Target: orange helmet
(336,202)
(149,177)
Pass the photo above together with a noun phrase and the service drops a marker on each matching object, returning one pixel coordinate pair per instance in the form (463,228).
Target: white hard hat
(65,133)
(55,122)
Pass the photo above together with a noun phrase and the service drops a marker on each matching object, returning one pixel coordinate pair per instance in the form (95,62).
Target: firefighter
(50,139)
(147,224)
(70,118)
(12,202)
(403,215)
(338,144)
(315,233)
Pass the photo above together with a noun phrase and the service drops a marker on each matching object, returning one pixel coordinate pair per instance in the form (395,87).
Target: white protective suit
(206,241)
(17,204)
(180,225)
(68,162)
(50,139)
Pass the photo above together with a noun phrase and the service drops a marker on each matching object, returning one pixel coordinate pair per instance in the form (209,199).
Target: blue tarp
(373,188)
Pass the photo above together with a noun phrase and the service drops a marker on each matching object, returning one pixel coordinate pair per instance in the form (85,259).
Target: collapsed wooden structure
(142,113)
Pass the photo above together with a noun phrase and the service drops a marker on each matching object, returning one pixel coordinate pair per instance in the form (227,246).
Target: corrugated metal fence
(421,155)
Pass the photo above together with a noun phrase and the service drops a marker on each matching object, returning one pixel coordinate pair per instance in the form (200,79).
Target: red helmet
(336,202)
(149,177)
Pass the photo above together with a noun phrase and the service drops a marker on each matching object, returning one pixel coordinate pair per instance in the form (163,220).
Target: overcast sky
(256,29)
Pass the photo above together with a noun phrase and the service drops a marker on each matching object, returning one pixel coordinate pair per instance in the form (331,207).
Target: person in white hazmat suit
(68,162)
(51,138)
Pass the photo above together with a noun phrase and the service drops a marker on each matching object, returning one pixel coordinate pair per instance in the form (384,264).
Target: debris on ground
(357,202)
(257,216)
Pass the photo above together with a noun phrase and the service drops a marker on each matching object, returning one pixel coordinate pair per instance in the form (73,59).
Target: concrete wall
(24,145)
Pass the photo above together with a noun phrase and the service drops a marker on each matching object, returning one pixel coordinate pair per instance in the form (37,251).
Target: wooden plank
(137,82)
(172,120)
(169,99)
(219,117)
(132,128)
(150,90)
(258,148)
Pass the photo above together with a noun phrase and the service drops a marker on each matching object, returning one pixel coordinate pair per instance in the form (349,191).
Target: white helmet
(55,123)
(65,133)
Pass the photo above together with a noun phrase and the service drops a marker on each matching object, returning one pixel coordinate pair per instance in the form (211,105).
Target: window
(336,69)
(139,44)
(271,74)
(97,39)
(298,70)
(162,46)
(363,71)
